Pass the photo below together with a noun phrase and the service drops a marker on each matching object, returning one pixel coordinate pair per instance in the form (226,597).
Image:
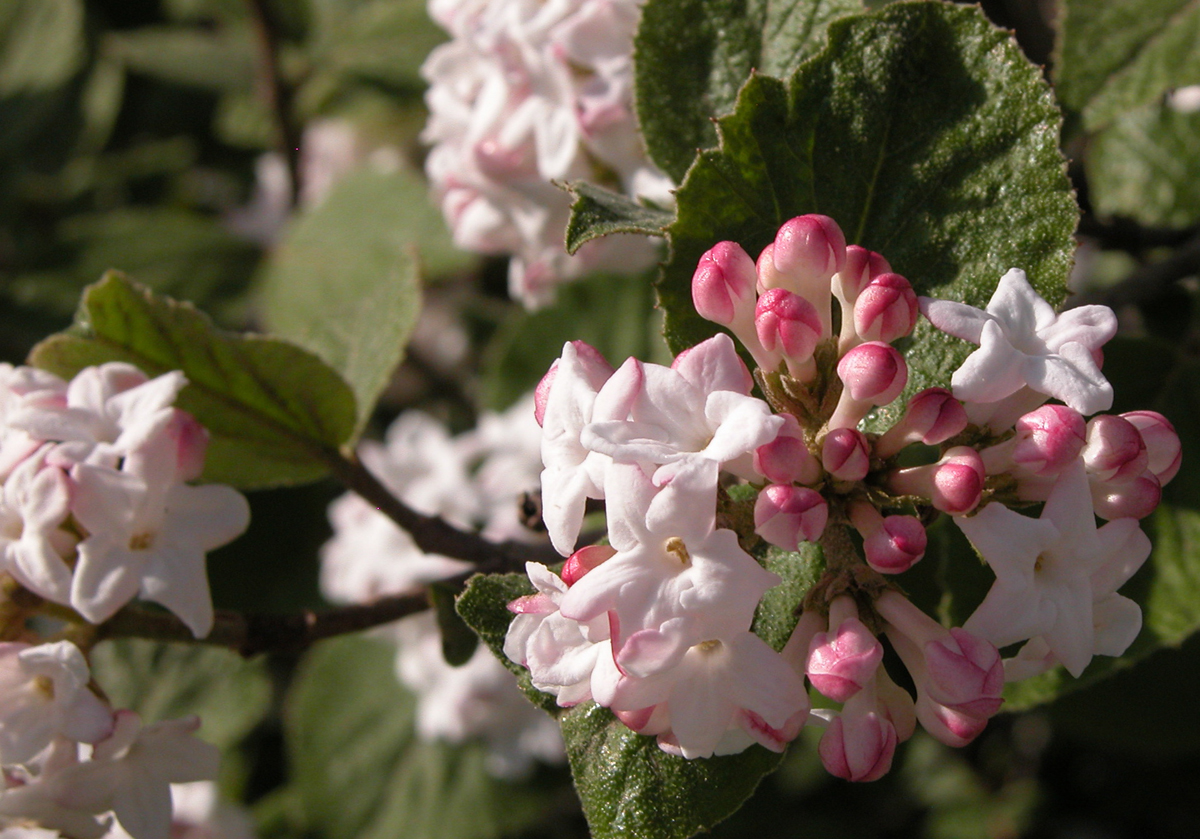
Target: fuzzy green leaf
(926,134)
(1121,54)
(483,607)
(631,788)
(598,212)
(277,414)
(692,56)
(343,283)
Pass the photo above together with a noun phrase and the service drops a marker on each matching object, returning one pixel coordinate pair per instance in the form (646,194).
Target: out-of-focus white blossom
(526,93)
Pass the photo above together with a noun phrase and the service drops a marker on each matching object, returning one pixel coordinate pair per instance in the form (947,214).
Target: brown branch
(435,535)
(1150,281)
(274,91)
(249,634)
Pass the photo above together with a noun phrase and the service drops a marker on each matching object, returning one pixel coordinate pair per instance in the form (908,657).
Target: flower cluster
(97,510)
(656,625)
(523,94)
(474,480)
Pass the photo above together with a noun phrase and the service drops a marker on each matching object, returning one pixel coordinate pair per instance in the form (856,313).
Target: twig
(250,634)
(1150,281)
(433,534)
(275,92)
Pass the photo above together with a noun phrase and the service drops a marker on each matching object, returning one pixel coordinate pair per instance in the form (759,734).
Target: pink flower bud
(840,664)
(1135,498)
(1048,439)
(786,515)
(965,674)
(191,444)
(954,484)
(541,393)
(933,416)
(584,560)
(946,725)
(858,747)
(533,604)
(723,285)
(1162,443)
(886,309)
(786,459)
(502,164)
(636,720)
(1115,450)
(860,268)
(810,248)
(873,374)
(846,454)
(788,324)
(892,544)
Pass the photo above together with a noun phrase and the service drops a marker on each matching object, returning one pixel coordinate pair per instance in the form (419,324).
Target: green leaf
(458,641)
(631,788)
(778,611)
(692,56)
(41,44)
(167,681)
(1146,166)
(612,313)
(1121,54)
(598,212)
(374,40)
(360,771)
(220,60)
(483,607)
(926,134)
(343,282)
(276,413)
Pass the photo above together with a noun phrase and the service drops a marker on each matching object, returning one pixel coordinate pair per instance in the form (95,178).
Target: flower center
(141,541)
(676,548)
(44,686)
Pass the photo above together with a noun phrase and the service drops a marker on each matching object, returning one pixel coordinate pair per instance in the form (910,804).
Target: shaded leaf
(692,56)
(214,60)
(612,313)
(1122,54)
(361,772)
(276,413)
(167,681)
(926,134)
(343,282)
(41,44)
(598,212)
(1146,166)
(458,640)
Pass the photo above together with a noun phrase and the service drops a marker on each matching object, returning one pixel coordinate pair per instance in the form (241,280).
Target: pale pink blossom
(1024,343)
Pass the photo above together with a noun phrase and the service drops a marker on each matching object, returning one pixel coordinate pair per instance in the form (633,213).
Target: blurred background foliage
(179,140)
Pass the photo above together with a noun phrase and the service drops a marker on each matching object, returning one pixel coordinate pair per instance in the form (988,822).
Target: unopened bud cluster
(97,509)
(656,625)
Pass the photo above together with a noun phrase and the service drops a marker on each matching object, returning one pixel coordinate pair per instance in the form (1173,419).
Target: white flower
(689,419)
(569,659)
(1023,343)
(43,695)
(130,774)
(33,507)
(738,683)
(152,542)
(527,93)
(674,581)
(1051,570)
